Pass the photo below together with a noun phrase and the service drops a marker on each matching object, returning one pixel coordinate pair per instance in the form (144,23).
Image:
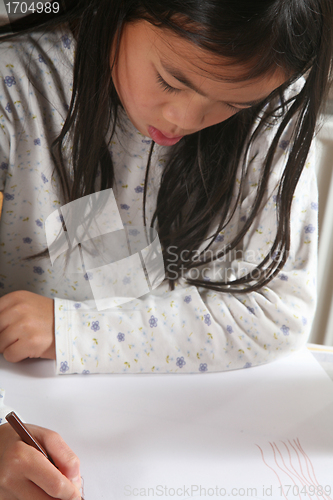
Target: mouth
(161,138)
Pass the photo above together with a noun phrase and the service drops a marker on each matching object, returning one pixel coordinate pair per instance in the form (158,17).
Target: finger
(15,351)
(5,341)
(62,455)
(18,342)
(9,332)
(26,490)
(5,302)
(12,298)
(28,318)
(7,316)
(49,479)
(20,313)
(26,467)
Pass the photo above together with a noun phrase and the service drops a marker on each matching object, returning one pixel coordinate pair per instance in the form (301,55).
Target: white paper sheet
(259,433)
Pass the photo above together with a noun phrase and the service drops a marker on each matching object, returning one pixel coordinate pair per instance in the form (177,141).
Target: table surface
(235,429)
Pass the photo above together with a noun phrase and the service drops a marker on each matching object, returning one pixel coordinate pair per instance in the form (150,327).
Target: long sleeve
(196,330)
(186,330)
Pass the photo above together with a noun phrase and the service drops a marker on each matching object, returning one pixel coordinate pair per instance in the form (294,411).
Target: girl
(200,116)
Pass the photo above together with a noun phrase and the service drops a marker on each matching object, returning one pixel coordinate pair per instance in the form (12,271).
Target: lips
(162,139)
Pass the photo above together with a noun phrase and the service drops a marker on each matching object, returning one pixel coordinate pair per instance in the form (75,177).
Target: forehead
(174,51)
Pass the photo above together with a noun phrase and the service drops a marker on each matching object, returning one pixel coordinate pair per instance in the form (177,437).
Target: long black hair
(261,35)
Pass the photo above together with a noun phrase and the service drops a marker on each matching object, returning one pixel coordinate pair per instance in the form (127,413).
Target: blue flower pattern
(95,326)
(309,229)
(152,321)
(284,145)
(285,329)
(38,270)
(180,362)
(9,81)
(64,367)
(66,41)
(207,319)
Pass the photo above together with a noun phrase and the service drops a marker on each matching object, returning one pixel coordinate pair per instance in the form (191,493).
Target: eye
(233,108)
(165,86)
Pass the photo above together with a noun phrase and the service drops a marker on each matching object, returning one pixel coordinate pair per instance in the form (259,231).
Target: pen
(25,435)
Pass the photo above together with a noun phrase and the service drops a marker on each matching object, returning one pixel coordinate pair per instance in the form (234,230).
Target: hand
(25,474)
(26,326)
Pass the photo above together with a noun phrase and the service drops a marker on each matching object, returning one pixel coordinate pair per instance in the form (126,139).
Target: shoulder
(268,123)
(269,130)
(34,56)
(27,46)
(276,110)
(36,72)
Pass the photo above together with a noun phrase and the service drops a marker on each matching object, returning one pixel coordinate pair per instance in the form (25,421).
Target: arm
(189,329)
(194,330)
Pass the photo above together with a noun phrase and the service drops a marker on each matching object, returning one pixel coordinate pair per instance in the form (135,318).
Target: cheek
(219,115)
(144,98)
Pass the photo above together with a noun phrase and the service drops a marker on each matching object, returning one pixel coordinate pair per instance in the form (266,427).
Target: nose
(185,116)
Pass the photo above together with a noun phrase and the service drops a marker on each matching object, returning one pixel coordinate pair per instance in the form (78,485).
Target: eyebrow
(179,75)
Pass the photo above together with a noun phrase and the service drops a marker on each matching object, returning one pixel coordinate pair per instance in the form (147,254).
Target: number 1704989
(32,7)
(309,490)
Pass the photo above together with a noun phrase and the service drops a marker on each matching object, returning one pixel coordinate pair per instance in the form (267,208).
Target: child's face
(169,87)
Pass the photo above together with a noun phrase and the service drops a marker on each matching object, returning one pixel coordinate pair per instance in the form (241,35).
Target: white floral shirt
(188,330)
